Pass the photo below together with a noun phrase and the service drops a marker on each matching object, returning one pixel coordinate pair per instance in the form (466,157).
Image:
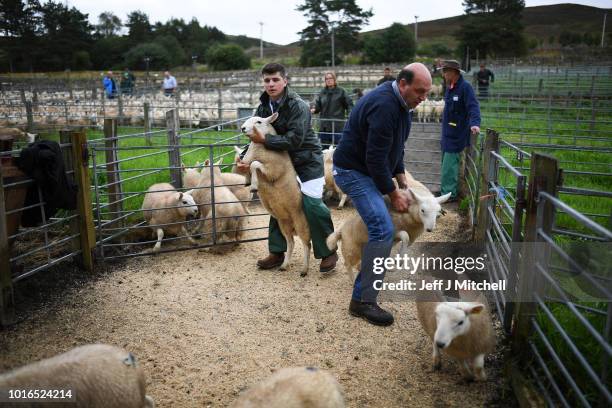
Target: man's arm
(473,109)
(380,139)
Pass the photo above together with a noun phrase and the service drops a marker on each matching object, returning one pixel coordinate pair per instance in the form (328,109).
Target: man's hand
(475,130)
(257,136)
(400,200)
(401,180)
(242,168)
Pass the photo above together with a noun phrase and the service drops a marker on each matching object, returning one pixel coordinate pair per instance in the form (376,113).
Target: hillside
(539,22)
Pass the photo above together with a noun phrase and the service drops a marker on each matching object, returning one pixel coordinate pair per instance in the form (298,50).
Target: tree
(65,30)
(139,28)
(344,16)
(493,28)
(226,57)
(20,25)
(108,24)
(395,44)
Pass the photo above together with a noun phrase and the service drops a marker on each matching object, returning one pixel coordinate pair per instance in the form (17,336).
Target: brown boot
(328,263)
(273,260)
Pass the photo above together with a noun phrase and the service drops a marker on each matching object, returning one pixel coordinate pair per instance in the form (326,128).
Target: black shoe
(371,312)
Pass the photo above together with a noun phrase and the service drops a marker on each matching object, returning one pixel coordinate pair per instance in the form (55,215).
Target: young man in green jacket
(296,136)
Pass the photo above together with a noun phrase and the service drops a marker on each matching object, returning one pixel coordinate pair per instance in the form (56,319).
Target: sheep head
(264,125)
(186,205)
(453,320)
(428,208)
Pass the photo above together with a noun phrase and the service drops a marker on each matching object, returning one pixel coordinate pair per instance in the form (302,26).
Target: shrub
(226,57)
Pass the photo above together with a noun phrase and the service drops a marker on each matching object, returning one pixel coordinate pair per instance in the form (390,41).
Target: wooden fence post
(147,123)
(469,153)
(544,176)
(113,177)
(81,176)
(488,173)
(120,108)
(7,302)
(220,101)
(30,116)
(174,152)
(69,164)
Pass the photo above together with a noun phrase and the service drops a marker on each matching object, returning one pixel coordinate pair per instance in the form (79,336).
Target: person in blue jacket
(110,87)
(369,156)
(461,118)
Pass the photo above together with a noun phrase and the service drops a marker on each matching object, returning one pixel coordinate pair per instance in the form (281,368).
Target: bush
(226,57)
(395,44)
(81,61)
(160,58)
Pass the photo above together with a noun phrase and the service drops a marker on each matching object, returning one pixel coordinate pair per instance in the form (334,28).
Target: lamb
(330,184)
(229,212)
(421,215)
(292,388)
(99,376)
(273,175)
(463,330)
(438,110)
(162,205)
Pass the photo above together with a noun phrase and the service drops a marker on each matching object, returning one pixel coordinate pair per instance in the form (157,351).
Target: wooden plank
(84,207)
(113,177)
(488,174)
(544,176)
(69,165)
(174,153)
(7,302)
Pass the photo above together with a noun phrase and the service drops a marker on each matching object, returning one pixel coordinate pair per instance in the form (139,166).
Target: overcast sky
(281,20)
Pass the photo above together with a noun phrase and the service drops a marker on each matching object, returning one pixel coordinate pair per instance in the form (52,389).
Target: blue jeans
(371,207)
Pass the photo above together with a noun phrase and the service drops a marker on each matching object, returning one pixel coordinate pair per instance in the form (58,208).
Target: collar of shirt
(276,104)
(399,96)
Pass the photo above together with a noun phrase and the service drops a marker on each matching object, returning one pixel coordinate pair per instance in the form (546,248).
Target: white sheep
(273,175)
(463,330)
(438,110)
(331,187)
(162,204)
(98,375)
(229,212)
(294,388)
(409,225)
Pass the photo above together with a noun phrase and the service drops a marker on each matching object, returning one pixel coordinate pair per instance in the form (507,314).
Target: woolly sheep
(273,175)
(164,205)
(18,134)
(229,212)
(409,225)
(296,387)
(463,330)
(99,375)
(331,187)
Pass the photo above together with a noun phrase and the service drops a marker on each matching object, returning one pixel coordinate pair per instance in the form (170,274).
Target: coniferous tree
(345,17)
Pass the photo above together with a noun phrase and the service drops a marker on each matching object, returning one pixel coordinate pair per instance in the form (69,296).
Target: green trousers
(449,182)
(319,222)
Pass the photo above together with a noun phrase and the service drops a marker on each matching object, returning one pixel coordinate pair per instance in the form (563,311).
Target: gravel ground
(205,326)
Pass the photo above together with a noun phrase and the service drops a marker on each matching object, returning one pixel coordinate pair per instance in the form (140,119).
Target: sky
(281,20)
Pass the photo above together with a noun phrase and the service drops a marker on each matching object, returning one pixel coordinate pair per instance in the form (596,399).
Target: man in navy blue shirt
(368,157)
(460,118)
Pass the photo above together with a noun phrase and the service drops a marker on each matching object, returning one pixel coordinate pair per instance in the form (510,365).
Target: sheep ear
(180,196)
(189,192)
(474,308)
(219,162)
(443,199)
(183,167)
(272,118)
(237,149)
(206,162)
(414,195)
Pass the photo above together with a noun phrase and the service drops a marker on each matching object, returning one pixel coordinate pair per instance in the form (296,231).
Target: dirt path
(207,326)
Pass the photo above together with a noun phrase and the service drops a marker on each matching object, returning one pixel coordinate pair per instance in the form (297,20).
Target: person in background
(370,155)
(386,77)
(484,77)
(461,117)
(169,84)
(110,87)
(127,82)
(332,104)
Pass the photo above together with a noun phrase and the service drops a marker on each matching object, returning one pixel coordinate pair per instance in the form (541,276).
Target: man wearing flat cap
(461,118)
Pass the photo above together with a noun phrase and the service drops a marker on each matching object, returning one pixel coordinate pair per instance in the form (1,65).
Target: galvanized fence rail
(560,342)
